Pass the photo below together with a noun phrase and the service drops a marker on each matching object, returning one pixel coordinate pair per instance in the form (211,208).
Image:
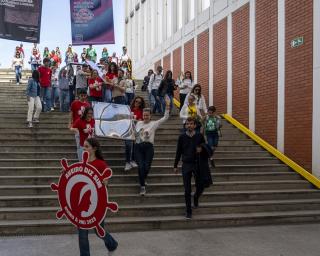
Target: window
(205,4)
(179,14)
(169,17)
(191,10)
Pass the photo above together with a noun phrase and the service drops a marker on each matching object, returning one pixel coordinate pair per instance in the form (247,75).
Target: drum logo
(82,195)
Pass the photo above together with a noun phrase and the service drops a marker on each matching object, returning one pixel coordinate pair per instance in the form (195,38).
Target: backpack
(213,124)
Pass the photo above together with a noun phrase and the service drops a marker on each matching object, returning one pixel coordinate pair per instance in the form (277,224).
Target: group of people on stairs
(196,144)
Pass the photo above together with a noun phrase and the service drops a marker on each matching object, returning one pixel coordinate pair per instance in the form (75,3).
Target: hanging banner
(20,20)
(92,22)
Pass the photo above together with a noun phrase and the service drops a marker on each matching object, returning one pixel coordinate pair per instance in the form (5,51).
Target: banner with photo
(113,121)
(92,22)
(20,20)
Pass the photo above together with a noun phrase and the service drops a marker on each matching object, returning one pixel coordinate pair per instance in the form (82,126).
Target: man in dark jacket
(189,146)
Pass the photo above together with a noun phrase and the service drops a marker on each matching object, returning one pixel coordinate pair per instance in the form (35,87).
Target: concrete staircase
(251,187)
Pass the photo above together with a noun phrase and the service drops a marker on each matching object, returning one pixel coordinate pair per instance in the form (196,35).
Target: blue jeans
(129,146)
(71,95)
(157,104)
(55,95)
(120,100)
(64,100)
(107,95)
(18,70)
(151,100)
(129,98)
(34,66)
(45,95)
(212,139)
(110,243)
(163,103)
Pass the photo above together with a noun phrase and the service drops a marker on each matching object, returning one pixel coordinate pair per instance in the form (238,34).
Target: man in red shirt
(45,84)
(77,109)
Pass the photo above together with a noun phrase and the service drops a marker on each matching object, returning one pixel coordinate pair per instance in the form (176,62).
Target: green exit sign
(298,41)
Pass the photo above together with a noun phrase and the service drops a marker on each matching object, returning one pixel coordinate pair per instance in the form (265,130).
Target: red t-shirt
(77,108)
(45,76)
(99,164)
(138,113)
(86,129)
(111,75)
(95,92)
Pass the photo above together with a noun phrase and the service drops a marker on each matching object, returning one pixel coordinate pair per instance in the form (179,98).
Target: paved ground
(289,240)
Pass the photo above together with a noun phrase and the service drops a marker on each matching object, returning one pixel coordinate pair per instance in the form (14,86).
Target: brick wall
(166,63)
(220,66)
(189,56)
(158,63)
(176,67)
(267,70)
(298,84)
(240,65)
(203,63)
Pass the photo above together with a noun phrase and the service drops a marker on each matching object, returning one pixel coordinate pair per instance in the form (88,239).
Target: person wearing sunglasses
(199,99)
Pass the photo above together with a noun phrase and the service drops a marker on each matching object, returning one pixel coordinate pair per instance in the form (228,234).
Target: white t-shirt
(145,131)
(154,82)
(185,86)
(129,86)
(200,102)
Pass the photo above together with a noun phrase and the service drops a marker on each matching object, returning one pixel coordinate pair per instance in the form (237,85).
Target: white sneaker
(133,164)
(52,109)
(36,120)
(127,167)
(143,191)
(30,125)
(17,83)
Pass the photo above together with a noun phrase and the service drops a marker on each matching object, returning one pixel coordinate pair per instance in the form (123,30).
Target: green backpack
(212,124)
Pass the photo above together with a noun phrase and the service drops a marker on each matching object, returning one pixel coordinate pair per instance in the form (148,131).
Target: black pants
(187,171)
(182,99)
(143,155)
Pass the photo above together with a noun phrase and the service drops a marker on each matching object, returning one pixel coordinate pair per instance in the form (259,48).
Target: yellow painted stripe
(293,165)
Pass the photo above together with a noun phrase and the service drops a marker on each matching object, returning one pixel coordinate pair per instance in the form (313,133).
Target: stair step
(162,222)
(173,197)
(151,210)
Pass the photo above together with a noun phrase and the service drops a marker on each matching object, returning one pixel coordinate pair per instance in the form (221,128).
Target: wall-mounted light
(137,6)
(131,14)
(126,20)
(142,1)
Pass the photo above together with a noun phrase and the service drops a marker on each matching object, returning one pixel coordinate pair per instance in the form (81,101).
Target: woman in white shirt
(144,151)
(17,64)
(200,100)
(130,88)
(185,84)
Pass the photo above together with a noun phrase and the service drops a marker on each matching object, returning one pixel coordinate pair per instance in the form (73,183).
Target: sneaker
(36,120)
(143,191)
(188,216)
(30,125)
(127,167)
(52,109)
(17,83)
(133,164)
